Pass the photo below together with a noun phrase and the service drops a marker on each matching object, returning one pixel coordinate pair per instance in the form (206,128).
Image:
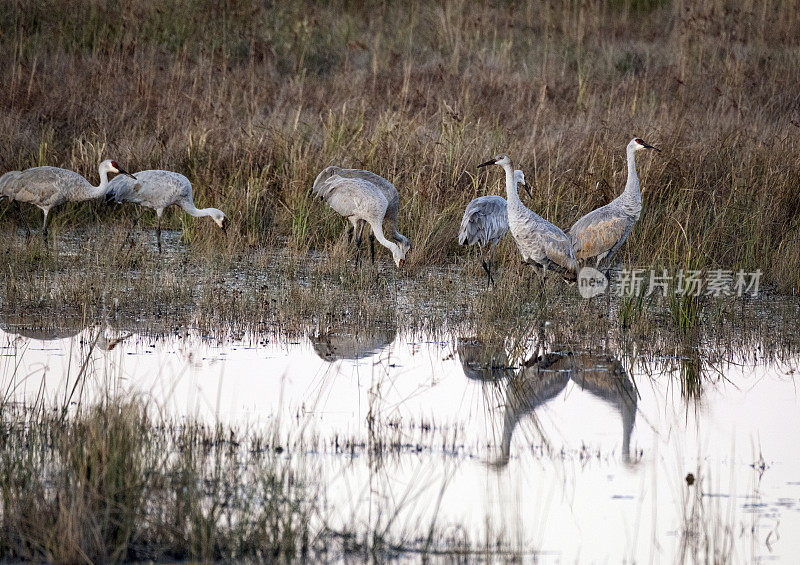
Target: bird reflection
(335,345)
(544,377)
(483,361)
(31,328)
(27,327)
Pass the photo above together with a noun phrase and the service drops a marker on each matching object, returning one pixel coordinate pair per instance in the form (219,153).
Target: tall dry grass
(251,100)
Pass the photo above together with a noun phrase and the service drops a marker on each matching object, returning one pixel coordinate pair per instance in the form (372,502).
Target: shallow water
(570,454)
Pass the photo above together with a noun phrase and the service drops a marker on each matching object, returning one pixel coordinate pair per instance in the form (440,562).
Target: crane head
(502,159)
(398,254)
(640,143)
(519,178)
(219,217)
(112,167)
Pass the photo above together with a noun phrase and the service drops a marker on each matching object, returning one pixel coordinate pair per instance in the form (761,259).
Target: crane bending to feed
(364,198)
(158,190)
(541,243)
(47,187)
(601,232)
(485,222)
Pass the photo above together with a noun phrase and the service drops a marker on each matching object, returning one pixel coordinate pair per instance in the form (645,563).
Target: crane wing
(598,232)
(122,188)
(42,186)
(9,184)
(153,188)
(354,197)
(485,220)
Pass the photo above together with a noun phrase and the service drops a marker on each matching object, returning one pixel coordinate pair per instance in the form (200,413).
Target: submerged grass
(250,101)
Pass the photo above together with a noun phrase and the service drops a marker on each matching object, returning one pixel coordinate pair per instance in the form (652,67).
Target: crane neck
(511,185)
(632,196)
(99,190)
(628,409)
(193,210)
(632,186)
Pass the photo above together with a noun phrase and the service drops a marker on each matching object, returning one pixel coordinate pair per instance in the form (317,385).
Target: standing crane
(485,222)
(364,198)
(601,232)
(541,243)
(47,187)
(158,190)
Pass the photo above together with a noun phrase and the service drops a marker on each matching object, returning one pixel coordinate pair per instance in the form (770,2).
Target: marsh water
(558,450)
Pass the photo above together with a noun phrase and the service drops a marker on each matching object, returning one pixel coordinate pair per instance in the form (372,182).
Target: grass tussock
(111,484)
(250,101)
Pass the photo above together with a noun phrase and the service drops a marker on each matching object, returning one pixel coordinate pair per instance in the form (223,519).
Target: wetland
(396,414)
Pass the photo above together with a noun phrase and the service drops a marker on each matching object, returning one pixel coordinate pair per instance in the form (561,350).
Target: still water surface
(575,455)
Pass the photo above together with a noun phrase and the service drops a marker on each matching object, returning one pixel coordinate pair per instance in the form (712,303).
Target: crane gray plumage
(541,243)
(364,198)
(601,232)
(47,187)
(158,190)
(485,222)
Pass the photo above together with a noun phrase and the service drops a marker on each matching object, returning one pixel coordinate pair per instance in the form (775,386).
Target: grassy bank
(96,279)
(251,101)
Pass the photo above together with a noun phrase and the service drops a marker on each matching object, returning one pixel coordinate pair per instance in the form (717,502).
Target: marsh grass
(251,101)
(97,277)
(109,483)
(119,481)
(713,529)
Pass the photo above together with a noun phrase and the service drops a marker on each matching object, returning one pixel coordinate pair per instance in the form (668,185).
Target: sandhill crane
(541,243)
(47,187)
(364,198)
(544,377)
(485,222)
(158,190)
(601,232)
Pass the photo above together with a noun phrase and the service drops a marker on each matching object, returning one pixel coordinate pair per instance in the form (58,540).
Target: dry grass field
(250,100)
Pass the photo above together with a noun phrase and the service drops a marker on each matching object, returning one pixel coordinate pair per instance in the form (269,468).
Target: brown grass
(251,100)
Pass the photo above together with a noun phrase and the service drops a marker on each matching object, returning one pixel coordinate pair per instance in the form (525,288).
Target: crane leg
(359,234)
(22,218)
(488,272)
(158,233)
(137,218)
(372,246)
(491,262)
(487,266)
(45,230)
(350,234)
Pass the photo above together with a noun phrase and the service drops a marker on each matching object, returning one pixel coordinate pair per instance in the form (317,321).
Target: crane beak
(487,163)
(122,171)
(401,262)
(648,146)
(224,226)
(527,188)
